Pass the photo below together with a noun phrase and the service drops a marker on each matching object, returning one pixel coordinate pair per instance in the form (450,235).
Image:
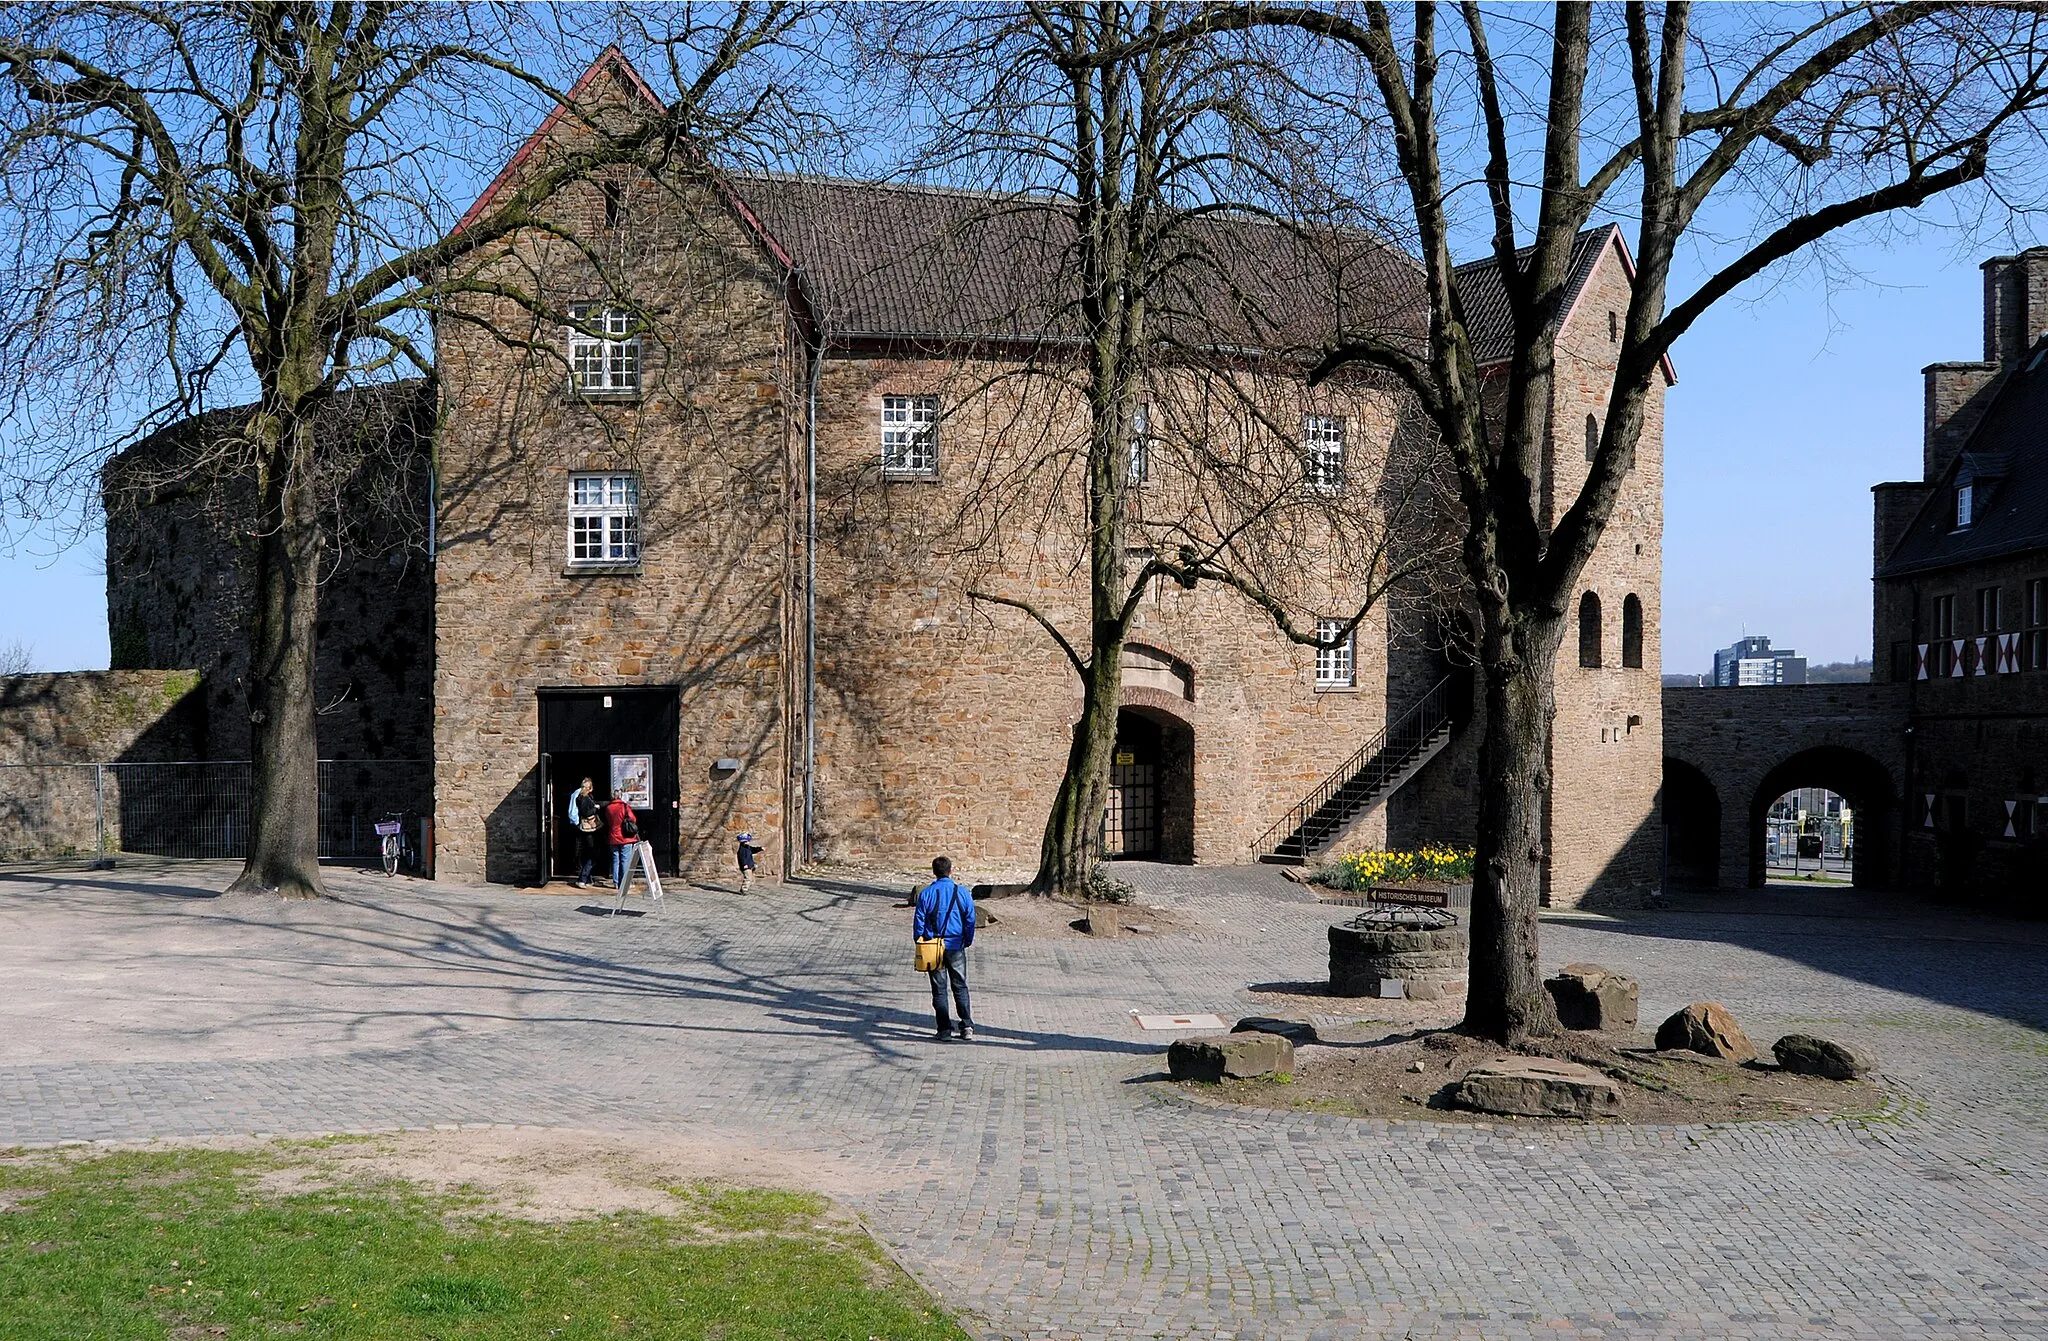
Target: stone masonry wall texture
(704,610)
(942,722)
(1607,739)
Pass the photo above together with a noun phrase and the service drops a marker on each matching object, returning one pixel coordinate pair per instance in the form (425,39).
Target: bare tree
(1799,122)
(213,203)
(1168,192)
(17,658)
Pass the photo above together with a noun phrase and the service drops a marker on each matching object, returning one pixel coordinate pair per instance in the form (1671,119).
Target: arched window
(1592,437)
(1589,631)
(1632,632)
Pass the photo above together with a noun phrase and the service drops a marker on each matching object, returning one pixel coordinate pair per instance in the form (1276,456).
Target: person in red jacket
(618,819)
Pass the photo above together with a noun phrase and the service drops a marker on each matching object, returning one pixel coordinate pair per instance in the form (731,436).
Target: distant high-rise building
(1750,661)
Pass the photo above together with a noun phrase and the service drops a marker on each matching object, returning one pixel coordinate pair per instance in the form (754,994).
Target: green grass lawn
(188,1245)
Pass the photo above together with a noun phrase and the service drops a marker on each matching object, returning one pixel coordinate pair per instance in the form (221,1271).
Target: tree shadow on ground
(21,877)
(1966,959)
(462,947)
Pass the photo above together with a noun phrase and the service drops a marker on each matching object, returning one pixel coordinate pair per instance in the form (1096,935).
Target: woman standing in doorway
(584,817)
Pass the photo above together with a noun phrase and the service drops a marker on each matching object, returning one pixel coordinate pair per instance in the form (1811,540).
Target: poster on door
(633,779)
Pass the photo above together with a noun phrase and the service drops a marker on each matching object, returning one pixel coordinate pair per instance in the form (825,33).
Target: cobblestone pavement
(1032,1180)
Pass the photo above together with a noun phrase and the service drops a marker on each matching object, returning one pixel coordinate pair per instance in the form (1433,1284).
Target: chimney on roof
(2015,305)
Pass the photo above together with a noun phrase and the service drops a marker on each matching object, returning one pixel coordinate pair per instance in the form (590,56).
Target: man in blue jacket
(945,909)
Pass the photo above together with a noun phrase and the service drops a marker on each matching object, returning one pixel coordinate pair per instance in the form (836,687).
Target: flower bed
(1373,870)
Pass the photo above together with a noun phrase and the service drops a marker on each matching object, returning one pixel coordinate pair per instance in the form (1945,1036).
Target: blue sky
(1788,408)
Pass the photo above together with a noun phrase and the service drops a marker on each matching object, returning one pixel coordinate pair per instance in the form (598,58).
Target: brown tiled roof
(1485,298)
(896,262)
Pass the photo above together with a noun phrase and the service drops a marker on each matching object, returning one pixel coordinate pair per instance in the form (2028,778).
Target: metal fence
(1781,844)
(193,808)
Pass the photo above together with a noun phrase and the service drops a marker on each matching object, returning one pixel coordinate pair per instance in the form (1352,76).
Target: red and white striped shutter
(1983,666)
(2011,808)
(1928,822)
(2008,653)
(1955,651)
(1920,661)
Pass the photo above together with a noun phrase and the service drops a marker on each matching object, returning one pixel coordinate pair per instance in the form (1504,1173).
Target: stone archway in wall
(1151,813)
(1856,777)
(1691,810)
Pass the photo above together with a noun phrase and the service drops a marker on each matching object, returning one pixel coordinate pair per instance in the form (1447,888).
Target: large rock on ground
(1235,1056)
(1806,1055)
(1706,1027)
(1537,1087)
(1296,1029)
(1592,996)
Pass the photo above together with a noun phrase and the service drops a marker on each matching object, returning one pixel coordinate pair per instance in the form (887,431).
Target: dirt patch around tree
(1410,1074)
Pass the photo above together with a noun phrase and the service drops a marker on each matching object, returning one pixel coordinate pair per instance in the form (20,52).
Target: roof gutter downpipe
(817,361)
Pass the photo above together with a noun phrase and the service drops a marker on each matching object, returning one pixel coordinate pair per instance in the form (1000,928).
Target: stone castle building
(715,532)
(1944,756)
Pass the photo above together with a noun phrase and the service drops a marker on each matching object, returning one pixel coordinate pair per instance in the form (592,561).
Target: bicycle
(394,842)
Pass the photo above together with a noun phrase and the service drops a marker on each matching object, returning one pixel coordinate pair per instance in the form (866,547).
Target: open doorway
(1780,822)
(1810,836)
(625,736)
(1150,814)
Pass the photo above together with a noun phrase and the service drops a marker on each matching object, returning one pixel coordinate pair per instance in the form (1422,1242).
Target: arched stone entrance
(1151,810)
(1744,748)
(1692,827)
(1853,775)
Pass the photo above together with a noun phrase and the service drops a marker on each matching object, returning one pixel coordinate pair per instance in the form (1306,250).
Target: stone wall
(944,723)
(1978,741)
(705,610)
(1607,740)
(180,566)
(1755,744)
(52,724)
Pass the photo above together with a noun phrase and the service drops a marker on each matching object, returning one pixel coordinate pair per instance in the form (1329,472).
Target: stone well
(1423,949)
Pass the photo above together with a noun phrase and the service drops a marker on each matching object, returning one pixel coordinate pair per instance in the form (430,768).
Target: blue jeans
(620,856)
(953,969)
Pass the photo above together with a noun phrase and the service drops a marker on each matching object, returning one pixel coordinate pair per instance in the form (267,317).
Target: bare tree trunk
(1073,832)
(1506,1001)
(284,837)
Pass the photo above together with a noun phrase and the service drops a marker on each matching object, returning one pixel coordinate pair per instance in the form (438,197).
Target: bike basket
(388,828)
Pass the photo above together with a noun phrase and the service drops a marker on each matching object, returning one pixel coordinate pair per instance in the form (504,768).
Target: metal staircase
(1396,754)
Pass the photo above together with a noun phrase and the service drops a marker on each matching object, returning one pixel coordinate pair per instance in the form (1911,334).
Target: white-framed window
(604,519)
(606,362)
(1322,450)
(910,435)
(1335,666)
(1966,498)
(1141,442)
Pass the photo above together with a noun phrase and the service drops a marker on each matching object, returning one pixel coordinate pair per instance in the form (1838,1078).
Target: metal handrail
(1407,734)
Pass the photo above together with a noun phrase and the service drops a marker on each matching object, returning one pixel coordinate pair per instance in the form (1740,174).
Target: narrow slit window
(1322,446)
(2036,649)
(614,205)
(1141,442)
(1592,437)
(1336,667)
(1632,632)
(1589,632)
